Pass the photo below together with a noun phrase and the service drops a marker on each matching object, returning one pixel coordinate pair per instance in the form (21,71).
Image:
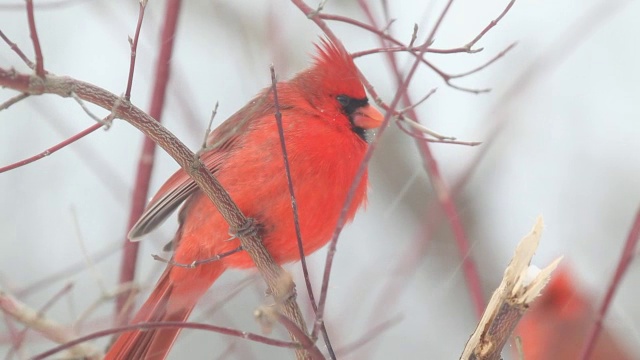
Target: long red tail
(170,301)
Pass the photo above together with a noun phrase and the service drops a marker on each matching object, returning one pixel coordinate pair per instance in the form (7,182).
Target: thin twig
(370,335)
(418,127)
(218,303)
(294,206)
(301,335)
(39,67)
(133,44)
(416,104)
(5,105)
(52,149)
(67,272)
(203,148)
(197,262)
(17,49)
(168,325)
(627,256)
(498,56)
(95,118)
(490,26)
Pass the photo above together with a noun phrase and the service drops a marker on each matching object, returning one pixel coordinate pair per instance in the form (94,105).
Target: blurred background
(564,101)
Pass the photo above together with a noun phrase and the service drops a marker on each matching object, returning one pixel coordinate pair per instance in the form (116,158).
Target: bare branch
(16,99)
(34,38)
(165,325)
(498,56)
(197,263)
(520,286)
(370,335)
(104,122)
(627,256)
(294,206)
(134,48)
(416,104)
(490,26)
(17,50)
(203,148)
(418,127)
(52,149)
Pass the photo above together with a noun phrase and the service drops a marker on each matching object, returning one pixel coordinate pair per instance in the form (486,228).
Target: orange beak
(367,117)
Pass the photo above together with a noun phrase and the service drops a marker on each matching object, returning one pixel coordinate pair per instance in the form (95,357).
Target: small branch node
(197,263)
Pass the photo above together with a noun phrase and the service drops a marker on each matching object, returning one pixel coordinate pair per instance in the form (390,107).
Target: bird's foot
(249,228)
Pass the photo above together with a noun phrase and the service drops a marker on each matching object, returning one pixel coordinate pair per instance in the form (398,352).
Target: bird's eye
(343,100)
(350,105)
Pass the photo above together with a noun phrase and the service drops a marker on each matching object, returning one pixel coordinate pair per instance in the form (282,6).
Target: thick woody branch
(520,286)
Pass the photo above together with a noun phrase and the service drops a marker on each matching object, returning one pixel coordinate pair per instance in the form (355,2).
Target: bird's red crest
(338,73)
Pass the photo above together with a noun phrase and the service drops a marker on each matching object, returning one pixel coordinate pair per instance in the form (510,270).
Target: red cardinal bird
(325,113)
(557,324)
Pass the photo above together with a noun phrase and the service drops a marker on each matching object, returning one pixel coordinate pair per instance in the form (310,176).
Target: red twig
(34,38)
(287,170)
(17,50)
(420,55)
(134,48)
(294,206)
(301,335)
(146,160)
(414,133)
(411,49)
(371,335)
(52,149)
(16,99)
(497,57)
(628,253)
(166,325)
(490,26)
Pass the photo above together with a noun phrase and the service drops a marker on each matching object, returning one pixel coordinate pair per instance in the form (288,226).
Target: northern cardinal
(325,114)
(557,324)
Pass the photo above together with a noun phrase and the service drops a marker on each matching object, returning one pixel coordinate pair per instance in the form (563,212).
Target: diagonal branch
(17,50)
(627,256)
(45,326)
(52,149)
